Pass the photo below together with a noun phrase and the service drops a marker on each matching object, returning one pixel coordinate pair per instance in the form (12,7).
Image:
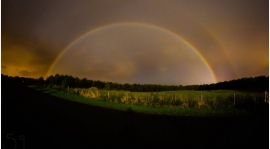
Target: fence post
(265,96)
(233,99)
(201,100)
(108,94)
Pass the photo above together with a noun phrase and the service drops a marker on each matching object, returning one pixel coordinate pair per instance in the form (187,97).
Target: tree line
(259,83)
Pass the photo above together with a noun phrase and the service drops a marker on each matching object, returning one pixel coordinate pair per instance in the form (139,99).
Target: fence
(266,97)
(179,99)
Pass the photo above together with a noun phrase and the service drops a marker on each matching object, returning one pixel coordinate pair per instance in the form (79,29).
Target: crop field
(176,99)
(184,102)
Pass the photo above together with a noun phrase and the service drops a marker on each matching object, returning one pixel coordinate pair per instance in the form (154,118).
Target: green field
(184,103)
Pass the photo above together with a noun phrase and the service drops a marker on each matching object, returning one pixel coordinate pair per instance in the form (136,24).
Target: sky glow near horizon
(158,42)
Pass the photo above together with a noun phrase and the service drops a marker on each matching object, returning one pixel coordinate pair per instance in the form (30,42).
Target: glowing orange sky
(232,37)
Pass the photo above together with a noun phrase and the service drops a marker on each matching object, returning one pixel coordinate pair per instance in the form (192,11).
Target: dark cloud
(25,73)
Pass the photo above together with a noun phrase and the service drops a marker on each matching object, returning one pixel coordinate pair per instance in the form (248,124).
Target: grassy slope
(145,109)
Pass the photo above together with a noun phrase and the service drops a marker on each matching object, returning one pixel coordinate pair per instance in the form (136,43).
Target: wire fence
(177,99)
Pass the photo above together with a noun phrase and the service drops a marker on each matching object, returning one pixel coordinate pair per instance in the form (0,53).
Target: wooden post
(265,96)
(201,100)
(233,99)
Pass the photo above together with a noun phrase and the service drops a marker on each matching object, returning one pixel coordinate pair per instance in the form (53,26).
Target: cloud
(25,73)
(20,54)
(28,73)
(3,67)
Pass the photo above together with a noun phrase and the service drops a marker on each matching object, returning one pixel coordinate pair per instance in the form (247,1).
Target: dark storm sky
(143,41)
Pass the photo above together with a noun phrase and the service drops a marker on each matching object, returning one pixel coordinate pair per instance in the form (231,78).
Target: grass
(186,111)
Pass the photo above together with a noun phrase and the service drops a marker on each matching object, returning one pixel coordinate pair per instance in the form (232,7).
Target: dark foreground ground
(44,121)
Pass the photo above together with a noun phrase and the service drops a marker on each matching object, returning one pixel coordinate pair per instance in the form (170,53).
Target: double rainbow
(137,24)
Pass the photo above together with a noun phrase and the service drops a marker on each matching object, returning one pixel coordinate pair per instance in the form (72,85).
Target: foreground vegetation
(184,103)
(174,99)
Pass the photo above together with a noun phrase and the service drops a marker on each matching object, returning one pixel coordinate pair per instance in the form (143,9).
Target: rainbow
(131,23)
